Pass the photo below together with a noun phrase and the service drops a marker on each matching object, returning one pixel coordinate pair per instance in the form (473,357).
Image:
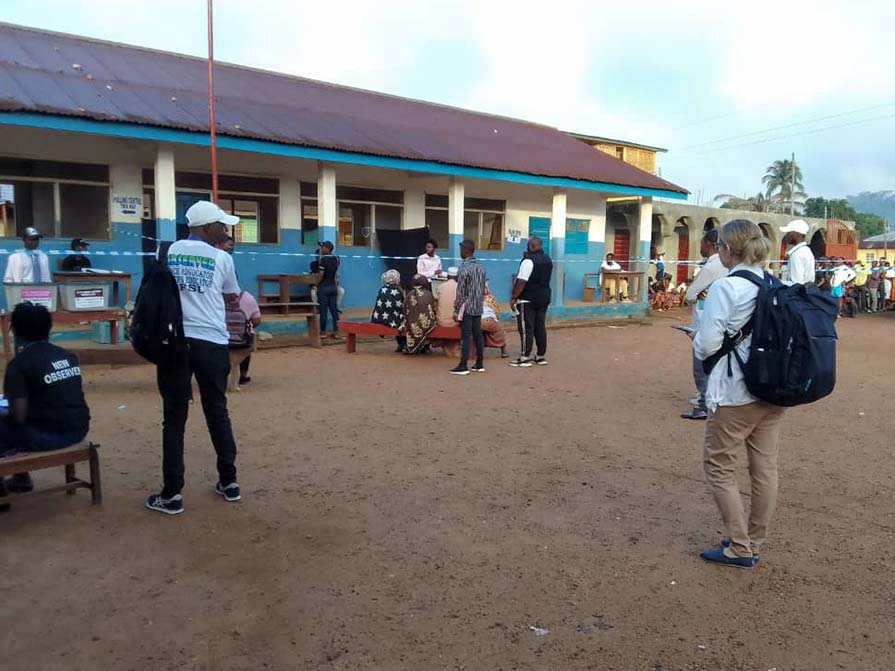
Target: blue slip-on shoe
(725,543)
(720,557)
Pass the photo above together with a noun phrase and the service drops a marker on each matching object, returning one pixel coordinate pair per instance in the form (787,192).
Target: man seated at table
(75,263)
(610,281)
(42,385)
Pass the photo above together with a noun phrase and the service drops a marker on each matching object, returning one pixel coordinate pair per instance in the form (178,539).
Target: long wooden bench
(68,457)
(353,329)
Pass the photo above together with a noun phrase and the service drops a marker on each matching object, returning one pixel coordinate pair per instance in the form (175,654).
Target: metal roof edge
(160,134)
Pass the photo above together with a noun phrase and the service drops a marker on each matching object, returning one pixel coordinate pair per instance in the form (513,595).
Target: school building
(110,142)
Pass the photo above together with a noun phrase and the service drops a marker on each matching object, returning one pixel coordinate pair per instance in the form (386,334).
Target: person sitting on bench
(47,410)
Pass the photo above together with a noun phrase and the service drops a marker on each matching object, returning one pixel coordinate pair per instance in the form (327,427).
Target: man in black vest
(532,292)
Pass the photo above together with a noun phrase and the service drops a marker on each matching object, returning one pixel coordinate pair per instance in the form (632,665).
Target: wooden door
(622,247)
(683,253)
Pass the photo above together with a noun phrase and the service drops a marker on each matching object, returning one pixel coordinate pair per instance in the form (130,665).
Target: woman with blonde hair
(737,419)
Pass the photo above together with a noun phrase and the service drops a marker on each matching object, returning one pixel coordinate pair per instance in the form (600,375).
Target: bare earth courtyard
(396,517)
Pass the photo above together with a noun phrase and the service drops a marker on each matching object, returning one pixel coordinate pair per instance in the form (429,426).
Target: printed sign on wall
(127,206)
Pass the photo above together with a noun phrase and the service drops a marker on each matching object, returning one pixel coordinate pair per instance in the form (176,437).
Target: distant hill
(881,203)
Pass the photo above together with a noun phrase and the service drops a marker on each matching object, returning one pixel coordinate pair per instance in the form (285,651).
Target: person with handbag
(243,318)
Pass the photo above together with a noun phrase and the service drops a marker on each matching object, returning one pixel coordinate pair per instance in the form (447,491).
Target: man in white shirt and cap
(28,265)
(799,268)
(206,278)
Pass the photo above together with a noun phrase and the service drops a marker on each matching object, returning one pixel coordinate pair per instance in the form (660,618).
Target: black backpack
(792,356)
(156,324)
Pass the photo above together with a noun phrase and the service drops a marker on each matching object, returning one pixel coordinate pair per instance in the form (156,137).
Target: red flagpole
(214,148)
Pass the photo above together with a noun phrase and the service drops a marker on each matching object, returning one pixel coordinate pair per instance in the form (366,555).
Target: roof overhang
(159,134)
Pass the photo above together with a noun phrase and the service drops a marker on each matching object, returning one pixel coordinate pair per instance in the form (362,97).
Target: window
(483,221)
(257,218)
(255,200)
(870,257)
(355,225)
(437,221)
(310,232)
(361,212)
(59,199)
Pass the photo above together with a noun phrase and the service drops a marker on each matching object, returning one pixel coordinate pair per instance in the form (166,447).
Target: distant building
(876,247)
(639,155)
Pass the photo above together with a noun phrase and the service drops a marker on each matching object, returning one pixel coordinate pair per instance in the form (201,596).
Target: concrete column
(414,208)
(165,195)
(645,234)
(456,199)
(327,206)
(558,245)
(290,204)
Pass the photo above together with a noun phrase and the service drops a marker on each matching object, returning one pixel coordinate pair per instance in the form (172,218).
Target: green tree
(839,208)
(869,224)
(757,203)
(832,208)
(783,184)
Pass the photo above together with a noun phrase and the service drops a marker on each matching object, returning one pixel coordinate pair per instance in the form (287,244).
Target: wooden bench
(353,329)
(68,457)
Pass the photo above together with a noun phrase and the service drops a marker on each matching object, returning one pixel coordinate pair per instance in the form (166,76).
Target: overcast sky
(726,87)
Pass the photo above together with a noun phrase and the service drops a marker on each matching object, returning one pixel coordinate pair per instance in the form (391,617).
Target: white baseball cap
(796,226)
(453,271)
(205,212)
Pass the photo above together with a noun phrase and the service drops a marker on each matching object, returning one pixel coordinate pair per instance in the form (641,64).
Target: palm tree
(757,203)
(783,183)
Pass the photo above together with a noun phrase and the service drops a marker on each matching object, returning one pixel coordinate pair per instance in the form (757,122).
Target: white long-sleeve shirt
(428,266)
(20,267)
(711,271)
(728,308)
(799,268)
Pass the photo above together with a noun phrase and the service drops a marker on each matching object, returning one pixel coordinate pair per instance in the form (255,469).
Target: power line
(784,126)
(790,135)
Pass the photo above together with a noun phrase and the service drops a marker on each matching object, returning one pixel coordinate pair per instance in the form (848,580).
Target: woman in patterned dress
(419,315)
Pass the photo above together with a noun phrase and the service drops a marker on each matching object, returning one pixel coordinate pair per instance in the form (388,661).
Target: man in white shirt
(428,264)
(799,268)
(29,265)
(611,282)
(206,278)
(696,294)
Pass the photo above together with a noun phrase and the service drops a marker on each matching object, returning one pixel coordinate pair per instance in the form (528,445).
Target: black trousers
(244,366)
(471,327)
(210,363)
(532,323)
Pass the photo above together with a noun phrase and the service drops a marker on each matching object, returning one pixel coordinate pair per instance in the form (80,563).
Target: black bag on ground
(156,325)
(792,356)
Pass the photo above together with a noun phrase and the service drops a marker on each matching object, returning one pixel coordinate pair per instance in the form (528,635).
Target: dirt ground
(396,517)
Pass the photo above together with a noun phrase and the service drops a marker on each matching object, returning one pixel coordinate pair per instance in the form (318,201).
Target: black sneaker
(540,360)
(459,370)
(245,380)
(521,362)
(478,368)
(4,504)
(172,506)
(230,492)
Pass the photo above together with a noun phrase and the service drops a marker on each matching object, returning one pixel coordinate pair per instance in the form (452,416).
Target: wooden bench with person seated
(353,329)
(67,457)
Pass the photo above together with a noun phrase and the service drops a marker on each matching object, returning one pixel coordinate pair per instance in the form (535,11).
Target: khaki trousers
(728,429)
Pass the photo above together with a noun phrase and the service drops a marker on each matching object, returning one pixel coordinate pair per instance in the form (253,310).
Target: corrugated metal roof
(54,73)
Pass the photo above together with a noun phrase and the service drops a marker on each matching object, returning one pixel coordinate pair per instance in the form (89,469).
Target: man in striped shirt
(468,308)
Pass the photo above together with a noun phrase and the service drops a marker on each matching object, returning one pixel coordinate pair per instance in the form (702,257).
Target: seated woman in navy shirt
(47,410)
